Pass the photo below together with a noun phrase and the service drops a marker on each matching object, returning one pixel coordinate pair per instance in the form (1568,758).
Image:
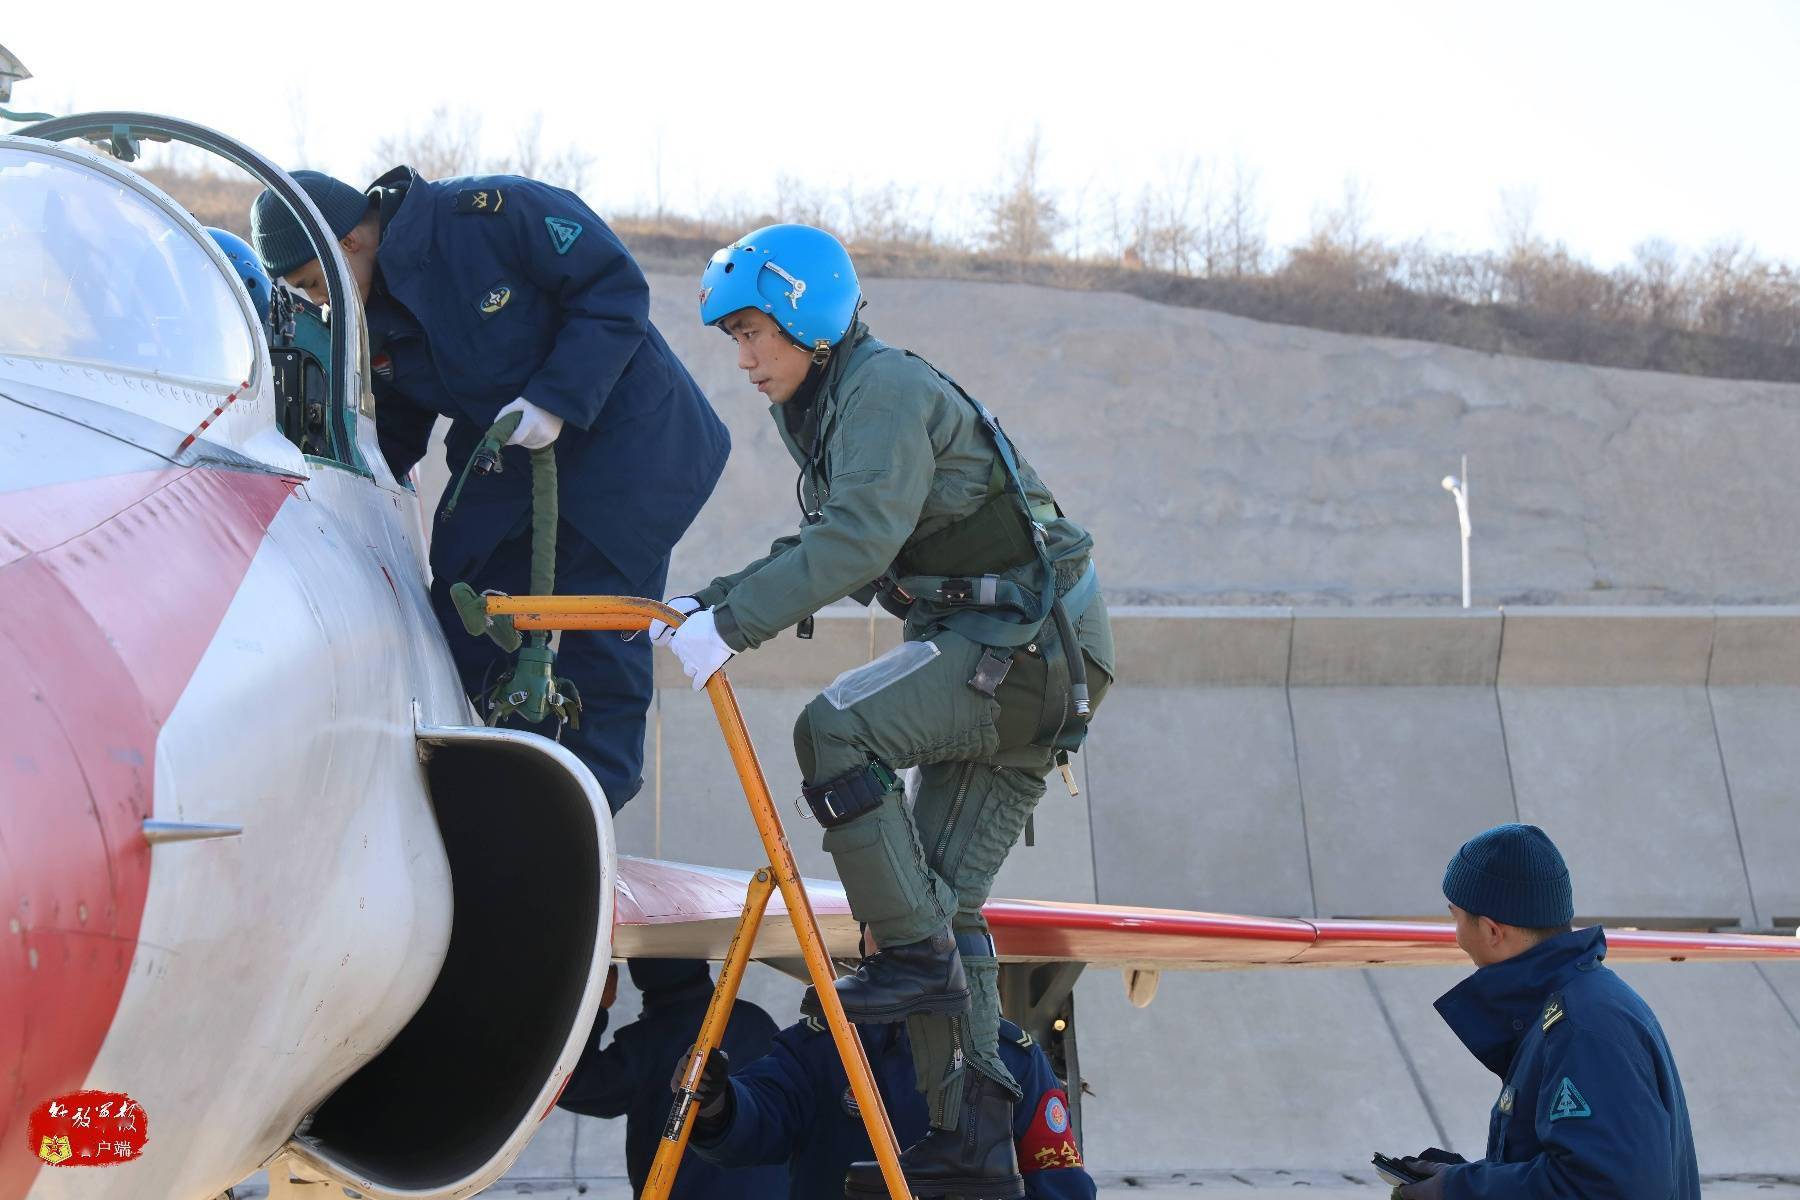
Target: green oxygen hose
(531,689)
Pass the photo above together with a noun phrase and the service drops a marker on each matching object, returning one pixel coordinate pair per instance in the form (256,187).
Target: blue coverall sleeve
(605,1082)
(775,1097)
(1602,1123)
(1066,1180)
(601,294)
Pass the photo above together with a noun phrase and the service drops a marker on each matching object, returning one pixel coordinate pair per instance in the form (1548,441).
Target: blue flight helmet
(801,276)
(249,269)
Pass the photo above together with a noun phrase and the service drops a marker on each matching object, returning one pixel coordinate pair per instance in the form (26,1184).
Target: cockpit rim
(348,380)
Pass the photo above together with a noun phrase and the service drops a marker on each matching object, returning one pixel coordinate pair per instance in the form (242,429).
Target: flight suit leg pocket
(878,867)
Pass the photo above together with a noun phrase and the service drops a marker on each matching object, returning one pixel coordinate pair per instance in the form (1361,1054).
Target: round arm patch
(1050,1142)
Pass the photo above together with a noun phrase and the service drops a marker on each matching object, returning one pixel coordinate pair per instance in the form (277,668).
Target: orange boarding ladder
(624,613)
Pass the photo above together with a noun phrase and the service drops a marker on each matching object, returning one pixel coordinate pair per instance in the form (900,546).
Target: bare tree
(884,217)
(657,167)
(1342,252)
(1655,278)
(1180,234)
(446,146)
(797,201)
(1515,220)
(566,168)
(1243,226)
(1023,220)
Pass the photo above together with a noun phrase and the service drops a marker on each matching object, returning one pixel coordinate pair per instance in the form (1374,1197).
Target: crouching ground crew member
(1591,1105)
(625,1078)
(909,494)
(496,295)
(794,1106)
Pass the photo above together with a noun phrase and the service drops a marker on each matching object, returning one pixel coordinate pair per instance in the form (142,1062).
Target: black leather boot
(898,981)
(974,1161)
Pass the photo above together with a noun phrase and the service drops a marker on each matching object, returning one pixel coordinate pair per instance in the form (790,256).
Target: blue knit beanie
(667,974)
(276,233)
(1512,874)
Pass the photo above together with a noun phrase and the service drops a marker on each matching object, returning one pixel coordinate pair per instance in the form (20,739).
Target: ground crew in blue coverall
(794,1106)
(1590,1105)
(626,1077)
(910,493)
(499,294)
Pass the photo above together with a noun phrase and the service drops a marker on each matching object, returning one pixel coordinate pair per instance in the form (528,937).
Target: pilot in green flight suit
(911,495)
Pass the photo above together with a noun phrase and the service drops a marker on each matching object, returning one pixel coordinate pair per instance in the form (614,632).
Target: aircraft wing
(672,910)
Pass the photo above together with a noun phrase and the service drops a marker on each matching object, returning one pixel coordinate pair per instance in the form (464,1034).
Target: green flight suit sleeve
(714,593)
(881,462)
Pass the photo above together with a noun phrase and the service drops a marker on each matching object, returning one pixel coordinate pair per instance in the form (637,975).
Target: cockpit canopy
(99,275)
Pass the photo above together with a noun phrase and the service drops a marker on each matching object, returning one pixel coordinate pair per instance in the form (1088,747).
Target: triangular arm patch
(563,233)
(1569,1102)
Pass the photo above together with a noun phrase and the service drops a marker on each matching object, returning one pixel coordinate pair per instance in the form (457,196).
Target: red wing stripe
(653,893)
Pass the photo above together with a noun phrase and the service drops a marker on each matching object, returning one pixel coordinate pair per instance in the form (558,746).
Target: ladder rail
(627,613)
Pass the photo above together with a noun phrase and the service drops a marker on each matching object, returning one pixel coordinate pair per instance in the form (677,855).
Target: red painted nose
(113,589)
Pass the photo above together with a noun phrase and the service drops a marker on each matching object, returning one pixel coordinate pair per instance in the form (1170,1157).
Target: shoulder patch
(486,201)
(814,1024)
(1569,1102)
(563,233)
(1553,1011)
(1050,1142)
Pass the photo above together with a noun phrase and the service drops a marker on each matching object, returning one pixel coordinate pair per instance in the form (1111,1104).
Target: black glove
(1429,1188)
(1434,1155)
(714,1096)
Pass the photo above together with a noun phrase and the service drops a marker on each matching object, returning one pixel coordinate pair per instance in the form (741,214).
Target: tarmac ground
(1216,1185)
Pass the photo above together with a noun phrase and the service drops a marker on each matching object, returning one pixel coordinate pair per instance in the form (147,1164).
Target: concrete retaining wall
(1327,762)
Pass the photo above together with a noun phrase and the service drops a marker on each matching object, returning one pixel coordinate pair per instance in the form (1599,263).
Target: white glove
(537,428)
(687,606)
(698,645)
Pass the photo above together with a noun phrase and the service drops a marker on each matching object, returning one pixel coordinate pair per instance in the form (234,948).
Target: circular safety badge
(1056,1115)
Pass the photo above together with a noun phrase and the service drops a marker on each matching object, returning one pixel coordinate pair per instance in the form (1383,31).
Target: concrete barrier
(1601,647)
(1757,728)
(1395,647)
(1755,646)
(1198,801)
(1292,762)
(1395,779)
(1735,1045)
(1280,1069)
(1630,784)
(1203,647)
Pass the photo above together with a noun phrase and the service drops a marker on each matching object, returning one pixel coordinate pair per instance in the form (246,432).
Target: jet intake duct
(449,1104)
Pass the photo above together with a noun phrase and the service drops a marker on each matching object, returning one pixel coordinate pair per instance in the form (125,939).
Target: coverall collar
(857,345)
(405,230)
(1492,1010)
(390,192)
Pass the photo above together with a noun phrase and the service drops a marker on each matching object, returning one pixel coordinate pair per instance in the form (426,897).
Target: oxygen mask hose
(1078,684)
(486,459)
(470,606)
(531,690)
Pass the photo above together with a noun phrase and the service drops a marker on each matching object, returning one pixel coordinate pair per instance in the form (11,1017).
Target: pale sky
(1626,120)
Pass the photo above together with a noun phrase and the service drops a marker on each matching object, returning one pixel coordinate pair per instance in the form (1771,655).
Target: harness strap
(1033,608)
(840,801)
